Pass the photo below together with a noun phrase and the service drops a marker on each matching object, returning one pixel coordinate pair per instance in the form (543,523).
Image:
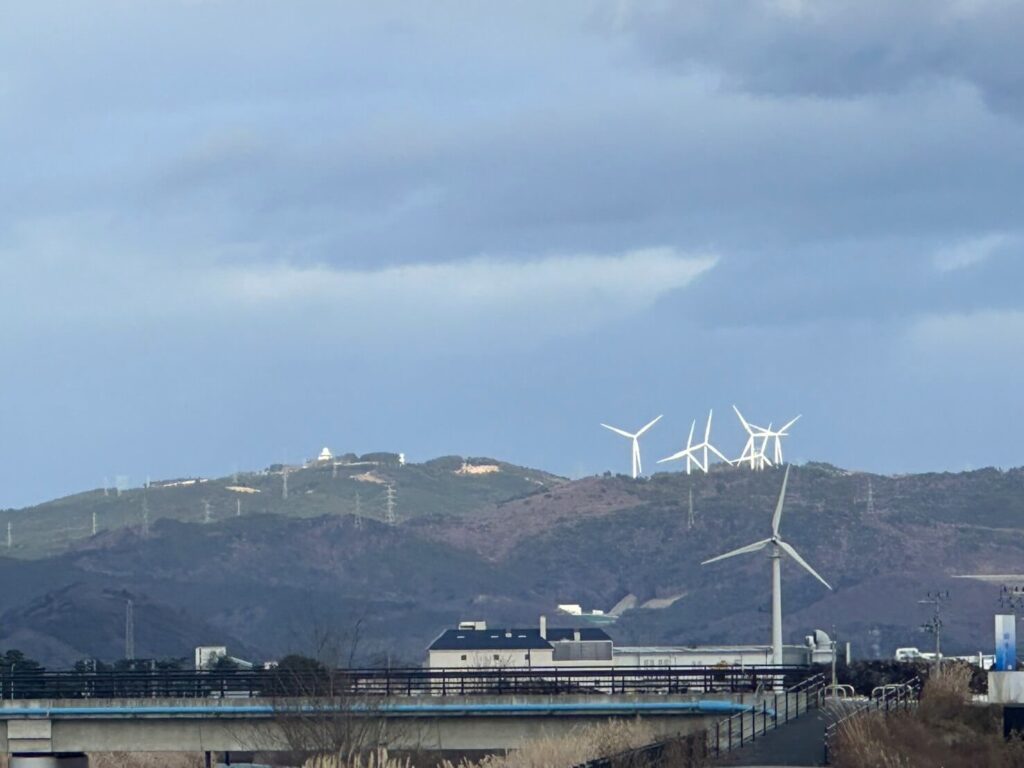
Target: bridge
(49,714)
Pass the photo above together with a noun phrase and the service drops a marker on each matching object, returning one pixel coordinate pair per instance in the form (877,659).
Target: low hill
(509,544)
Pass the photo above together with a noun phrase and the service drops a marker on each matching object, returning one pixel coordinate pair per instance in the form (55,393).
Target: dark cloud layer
(231,232)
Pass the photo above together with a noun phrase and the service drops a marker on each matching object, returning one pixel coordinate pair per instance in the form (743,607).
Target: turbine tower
(635,437)
(778,547)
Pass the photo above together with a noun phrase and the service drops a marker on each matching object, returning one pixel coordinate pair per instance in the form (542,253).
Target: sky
(235,231)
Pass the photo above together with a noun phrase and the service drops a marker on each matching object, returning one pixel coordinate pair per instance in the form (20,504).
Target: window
(463,657)
(495,657)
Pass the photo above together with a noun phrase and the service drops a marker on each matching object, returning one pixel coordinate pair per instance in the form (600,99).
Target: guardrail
(278,682)
(884,698)
(789,704)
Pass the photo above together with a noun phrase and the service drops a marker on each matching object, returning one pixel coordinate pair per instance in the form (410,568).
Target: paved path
(799,743)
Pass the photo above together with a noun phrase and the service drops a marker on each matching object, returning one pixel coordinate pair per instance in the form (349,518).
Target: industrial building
(473,645)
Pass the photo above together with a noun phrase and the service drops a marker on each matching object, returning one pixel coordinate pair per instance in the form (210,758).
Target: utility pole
(835,650)
(129,630)
(284,483)
(105,484)
(934,625)
(10,534)
(389,515)
(238,507)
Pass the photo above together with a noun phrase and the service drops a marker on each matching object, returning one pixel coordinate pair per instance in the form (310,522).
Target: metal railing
(279,682)
(743,727)
(893,697)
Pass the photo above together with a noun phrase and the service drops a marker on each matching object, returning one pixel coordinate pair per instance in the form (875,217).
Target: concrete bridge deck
(426,722)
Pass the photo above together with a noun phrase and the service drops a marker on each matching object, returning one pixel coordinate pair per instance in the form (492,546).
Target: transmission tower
(10,534)
(145,516)
(871,499)
(389,513)
(359,511)
(690,517)
(206,511)
(94,529)
(129,630)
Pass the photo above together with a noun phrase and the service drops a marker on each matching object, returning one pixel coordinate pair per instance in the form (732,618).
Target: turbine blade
(636,452)
(790,424)
(793,553)
(743,421)
(689,440)
(777,517)
(707,429)
(648,425)
(678,455)
(741,551)
(718,453)
(618,431)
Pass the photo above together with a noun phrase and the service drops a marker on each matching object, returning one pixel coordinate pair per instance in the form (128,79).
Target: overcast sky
(232,232)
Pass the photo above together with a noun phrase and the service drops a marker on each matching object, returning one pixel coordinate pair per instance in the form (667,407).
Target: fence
(884,698)
(278,682)
(743,727)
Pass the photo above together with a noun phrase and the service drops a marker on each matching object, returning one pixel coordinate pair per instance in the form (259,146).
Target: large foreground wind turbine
(778,547)
(635,437)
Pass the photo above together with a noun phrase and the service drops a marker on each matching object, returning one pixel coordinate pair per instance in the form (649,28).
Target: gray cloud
(837,48)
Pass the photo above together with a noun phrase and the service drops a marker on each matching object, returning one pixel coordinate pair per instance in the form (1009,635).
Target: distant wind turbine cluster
(760,441)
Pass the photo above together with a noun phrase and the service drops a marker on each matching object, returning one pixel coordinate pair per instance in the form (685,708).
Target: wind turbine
(637,468)
(778,547)
(777,436)
(707,446)
(686,453)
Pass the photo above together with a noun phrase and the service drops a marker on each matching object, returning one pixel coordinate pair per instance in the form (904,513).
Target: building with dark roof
(473,644)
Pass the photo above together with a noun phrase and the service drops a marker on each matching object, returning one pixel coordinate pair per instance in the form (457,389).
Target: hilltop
(507,544)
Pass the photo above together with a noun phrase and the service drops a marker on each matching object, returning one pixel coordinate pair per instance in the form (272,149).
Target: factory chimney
(543,627)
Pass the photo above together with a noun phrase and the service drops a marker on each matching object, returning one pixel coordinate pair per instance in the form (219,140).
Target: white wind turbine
(754,455)
(778,547)
(637,468)
(707,446)
(777,437)
(686,453)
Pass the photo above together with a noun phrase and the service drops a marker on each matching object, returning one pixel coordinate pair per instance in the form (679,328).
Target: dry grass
(146,760)
(377,759)
(572,749)
(945,730)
